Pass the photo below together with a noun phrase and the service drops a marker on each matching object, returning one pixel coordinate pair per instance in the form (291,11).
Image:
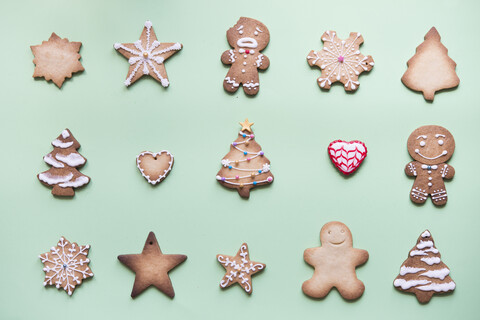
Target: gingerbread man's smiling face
(248,34)
(431,145)
(335,234)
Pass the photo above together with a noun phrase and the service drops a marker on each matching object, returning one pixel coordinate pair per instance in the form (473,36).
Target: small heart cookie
(347,156)
(155,166)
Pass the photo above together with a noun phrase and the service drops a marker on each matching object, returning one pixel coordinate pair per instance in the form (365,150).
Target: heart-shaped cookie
(155,166)
(347,155)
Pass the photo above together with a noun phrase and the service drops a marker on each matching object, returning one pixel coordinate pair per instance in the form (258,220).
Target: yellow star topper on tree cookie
(246,125)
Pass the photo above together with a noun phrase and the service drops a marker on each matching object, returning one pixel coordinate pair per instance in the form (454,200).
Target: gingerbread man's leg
(418,194)
(252,85)
(317,287)
(352,289)
(439,196)
(229,83)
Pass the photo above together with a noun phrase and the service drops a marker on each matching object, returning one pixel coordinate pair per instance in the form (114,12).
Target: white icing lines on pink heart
(347,156)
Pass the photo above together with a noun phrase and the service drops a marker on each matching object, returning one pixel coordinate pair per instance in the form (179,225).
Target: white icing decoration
(422,136)
(65,134)
(232,56)
(259,60)
(52,179)
(444,152)
(170,164)
(405,270)
(424,244)
(405,285)
(422,143)
(347,155)
(80,181)
(439,273)
(247,42)
(433,167)
(431,260)
(438,287)
(72,159)
(51,161)
(232,82)
(258,29)
(439,135)
(59,144)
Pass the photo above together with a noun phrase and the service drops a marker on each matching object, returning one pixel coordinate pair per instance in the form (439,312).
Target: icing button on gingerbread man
(430,146)
(335,262)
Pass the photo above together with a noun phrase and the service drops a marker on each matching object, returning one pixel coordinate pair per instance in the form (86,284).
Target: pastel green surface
(196,119)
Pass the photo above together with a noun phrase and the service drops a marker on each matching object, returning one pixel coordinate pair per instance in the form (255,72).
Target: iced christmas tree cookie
(239,269)
(245,166)
(431,69)
(335,262)
(423,273)
(340,60)
(347,156)
(56,59)
(64,159)
(155,166)
(431,147)
(66,265)
(247,38)
(147,56)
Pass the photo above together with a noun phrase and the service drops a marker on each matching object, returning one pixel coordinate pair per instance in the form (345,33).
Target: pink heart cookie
(347,155)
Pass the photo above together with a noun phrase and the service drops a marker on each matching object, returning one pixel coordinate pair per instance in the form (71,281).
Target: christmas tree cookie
(245,166)
(64,159)
(423,273)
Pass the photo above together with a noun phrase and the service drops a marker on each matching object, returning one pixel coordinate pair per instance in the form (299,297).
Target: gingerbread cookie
(239,269)
(151,267)
(64,159)
(347,156)
(147,56)
(340,60)
(431,69)
(335,262)
(423,273)
(56,59)
(247,38)
(66,265)
(155,167)
(431,147)
(245,166)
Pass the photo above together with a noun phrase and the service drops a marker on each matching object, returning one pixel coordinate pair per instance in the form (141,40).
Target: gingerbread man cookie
(335,262)
(247,38)
(431,147)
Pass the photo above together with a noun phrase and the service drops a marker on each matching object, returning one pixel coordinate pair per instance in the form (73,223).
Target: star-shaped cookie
(147,56)
(56,59)
(239,269)
(151,267)
(246,125)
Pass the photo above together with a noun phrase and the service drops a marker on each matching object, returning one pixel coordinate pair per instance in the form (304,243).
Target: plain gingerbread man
(335,262)
(431,147)
(247,38)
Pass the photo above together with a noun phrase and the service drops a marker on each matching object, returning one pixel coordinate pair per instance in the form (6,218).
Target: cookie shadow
(436,92)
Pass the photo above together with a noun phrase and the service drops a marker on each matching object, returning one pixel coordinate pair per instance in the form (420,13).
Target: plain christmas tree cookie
(56,59)
(340,61)
(430,147)
(335,262)
(247,38)
(245,166)
(155,166)
(147,56)
(423,273)
(64,159)
(431,69)
(347,156)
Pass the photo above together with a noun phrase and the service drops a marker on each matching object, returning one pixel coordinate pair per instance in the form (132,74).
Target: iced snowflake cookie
(247,38)
(335,262)
(423,273)
(147,56)
(430,147)
(245,166)
(340,60)
(431,69)
(151,267)
(66,265)
(56,59)
(155,166)
(347,156)
(239,269)
(64,159)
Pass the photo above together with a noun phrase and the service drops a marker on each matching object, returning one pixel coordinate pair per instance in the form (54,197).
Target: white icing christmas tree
(424,273)
(64,159)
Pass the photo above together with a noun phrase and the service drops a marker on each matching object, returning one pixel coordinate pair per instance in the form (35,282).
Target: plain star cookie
(155,166)
(147,56)
(151,267)
(66,265)
(247,38)
(335,262)
(347,156)
(431,69)
(340,60)
(56,59)
(64,159)
(245,166)
(239,269)
(430,147)
(423,273)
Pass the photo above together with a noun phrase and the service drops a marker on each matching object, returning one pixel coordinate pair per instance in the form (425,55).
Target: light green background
(196,120)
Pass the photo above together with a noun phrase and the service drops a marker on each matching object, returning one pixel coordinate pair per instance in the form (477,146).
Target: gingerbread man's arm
(262,62)
(311,255)
(447,171)
(360,256)
(228,57)
(411,169)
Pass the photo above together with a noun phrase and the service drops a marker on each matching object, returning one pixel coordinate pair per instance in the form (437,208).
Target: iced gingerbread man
(247,38)
(335,262)
(431,147)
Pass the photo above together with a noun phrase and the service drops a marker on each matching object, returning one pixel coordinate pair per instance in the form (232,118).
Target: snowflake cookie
(66,265)
(147,56)
(340,60)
